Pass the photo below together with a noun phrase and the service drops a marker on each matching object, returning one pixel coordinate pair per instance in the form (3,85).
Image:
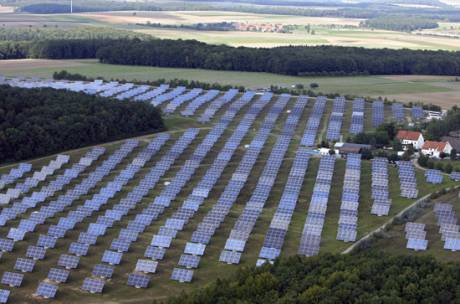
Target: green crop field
(116,290)
(429,89)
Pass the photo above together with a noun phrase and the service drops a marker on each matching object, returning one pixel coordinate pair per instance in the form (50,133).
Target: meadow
(443,91)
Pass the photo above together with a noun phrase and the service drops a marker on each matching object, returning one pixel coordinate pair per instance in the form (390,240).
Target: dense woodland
(371,278)
(292,60)
(51,33)
(39,122)
(396,23)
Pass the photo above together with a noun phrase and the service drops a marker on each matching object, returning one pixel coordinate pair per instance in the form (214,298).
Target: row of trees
(445,166)
(38,122)
(291,60)
(396,23)
(436,129)
(52,33)
(364,278)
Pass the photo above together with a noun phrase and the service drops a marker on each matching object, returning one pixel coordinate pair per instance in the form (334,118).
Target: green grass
(360,86)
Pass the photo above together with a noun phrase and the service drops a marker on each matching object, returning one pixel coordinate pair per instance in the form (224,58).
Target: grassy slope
(116,289)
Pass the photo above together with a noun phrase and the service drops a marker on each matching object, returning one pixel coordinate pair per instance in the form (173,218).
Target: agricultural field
(269,123)
(440,90)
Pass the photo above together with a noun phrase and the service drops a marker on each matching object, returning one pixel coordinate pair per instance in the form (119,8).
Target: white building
(413,138)
(435,148)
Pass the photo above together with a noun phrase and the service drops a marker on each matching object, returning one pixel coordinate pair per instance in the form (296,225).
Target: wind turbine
(71,6)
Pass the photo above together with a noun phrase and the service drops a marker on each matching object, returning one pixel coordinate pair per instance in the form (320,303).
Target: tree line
(38,122)
(287,60)
(369,278)
(396,23)
(436,129)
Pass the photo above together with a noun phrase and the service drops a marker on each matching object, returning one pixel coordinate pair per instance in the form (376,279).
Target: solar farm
(148,217)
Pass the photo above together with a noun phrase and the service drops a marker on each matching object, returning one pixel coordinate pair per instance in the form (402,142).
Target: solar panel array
(335,120)
(276,233)
(314,223)
(27,202)
(434,176)
(219,102)
(247,219)
(314,121)
(407,179)
(380,193)
(199,101)
(448,226)
(64,200)
(455,176)
(348,219)
(14,174)
(149,95)
(179,100)
(133,92)
(357,117)
(33,181)
(221,208)
(398,112)
(416,236)
(110,92)
(417,113)
(378,113)
(160,99)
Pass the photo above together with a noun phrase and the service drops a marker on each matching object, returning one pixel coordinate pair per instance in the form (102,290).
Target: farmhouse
(411,138)
(435,148)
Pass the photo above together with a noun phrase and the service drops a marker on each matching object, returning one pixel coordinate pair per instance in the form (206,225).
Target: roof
(434,145)
(453,141)
(408,135)
(353,148)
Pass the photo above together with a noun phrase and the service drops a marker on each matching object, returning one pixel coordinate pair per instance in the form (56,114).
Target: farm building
(435,148)
(411,138)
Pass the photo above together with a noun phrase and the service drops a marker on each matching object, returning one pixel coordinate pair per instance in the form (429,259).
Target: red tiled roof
(434,145)
(408,135)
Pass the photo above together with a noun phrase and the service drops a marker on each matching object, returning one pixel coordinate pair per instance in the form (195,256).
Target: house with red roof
(435,148)
(413,138)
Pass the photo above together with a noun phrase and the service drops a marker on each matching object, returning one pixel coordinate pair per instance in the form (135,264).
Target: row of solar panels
(380,192)
(407,178)
(448,225)
(416,236)
(434,176)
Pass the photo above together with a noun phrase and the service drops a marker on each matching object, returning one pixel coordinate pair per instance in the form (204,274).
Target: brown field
(444,99)
(6,9)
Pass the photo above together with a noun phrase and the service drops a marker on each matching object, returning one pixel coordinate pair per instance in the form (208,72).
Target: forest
(37,122)
(51,33)
(291,60)
(362,278)
(396,23)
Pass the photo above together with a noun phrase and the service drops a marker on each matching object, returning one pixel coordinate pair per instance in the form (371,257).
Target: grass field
(117,291)
(443,91)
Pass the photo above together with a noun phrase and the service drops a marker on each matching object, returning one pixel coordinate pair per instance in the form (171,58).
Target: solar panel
(155,253)
(78,249)
(138,280)
(24,265)
(6,245)
(35,252)
(46,290)
(93,285)
(87,238)
(68,261)
(146,266)
(112,257)
(4,295)
(58,275)
(161,241)
(194,248)
(230,257)
(182,275)
(12,279)
(189,261)
(103,271)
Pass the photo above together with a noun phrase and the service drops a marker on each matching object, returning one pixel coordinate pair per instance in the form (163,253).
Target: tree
(366,154)
(423,160)
(314,85)
(453,154)
(448,168)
